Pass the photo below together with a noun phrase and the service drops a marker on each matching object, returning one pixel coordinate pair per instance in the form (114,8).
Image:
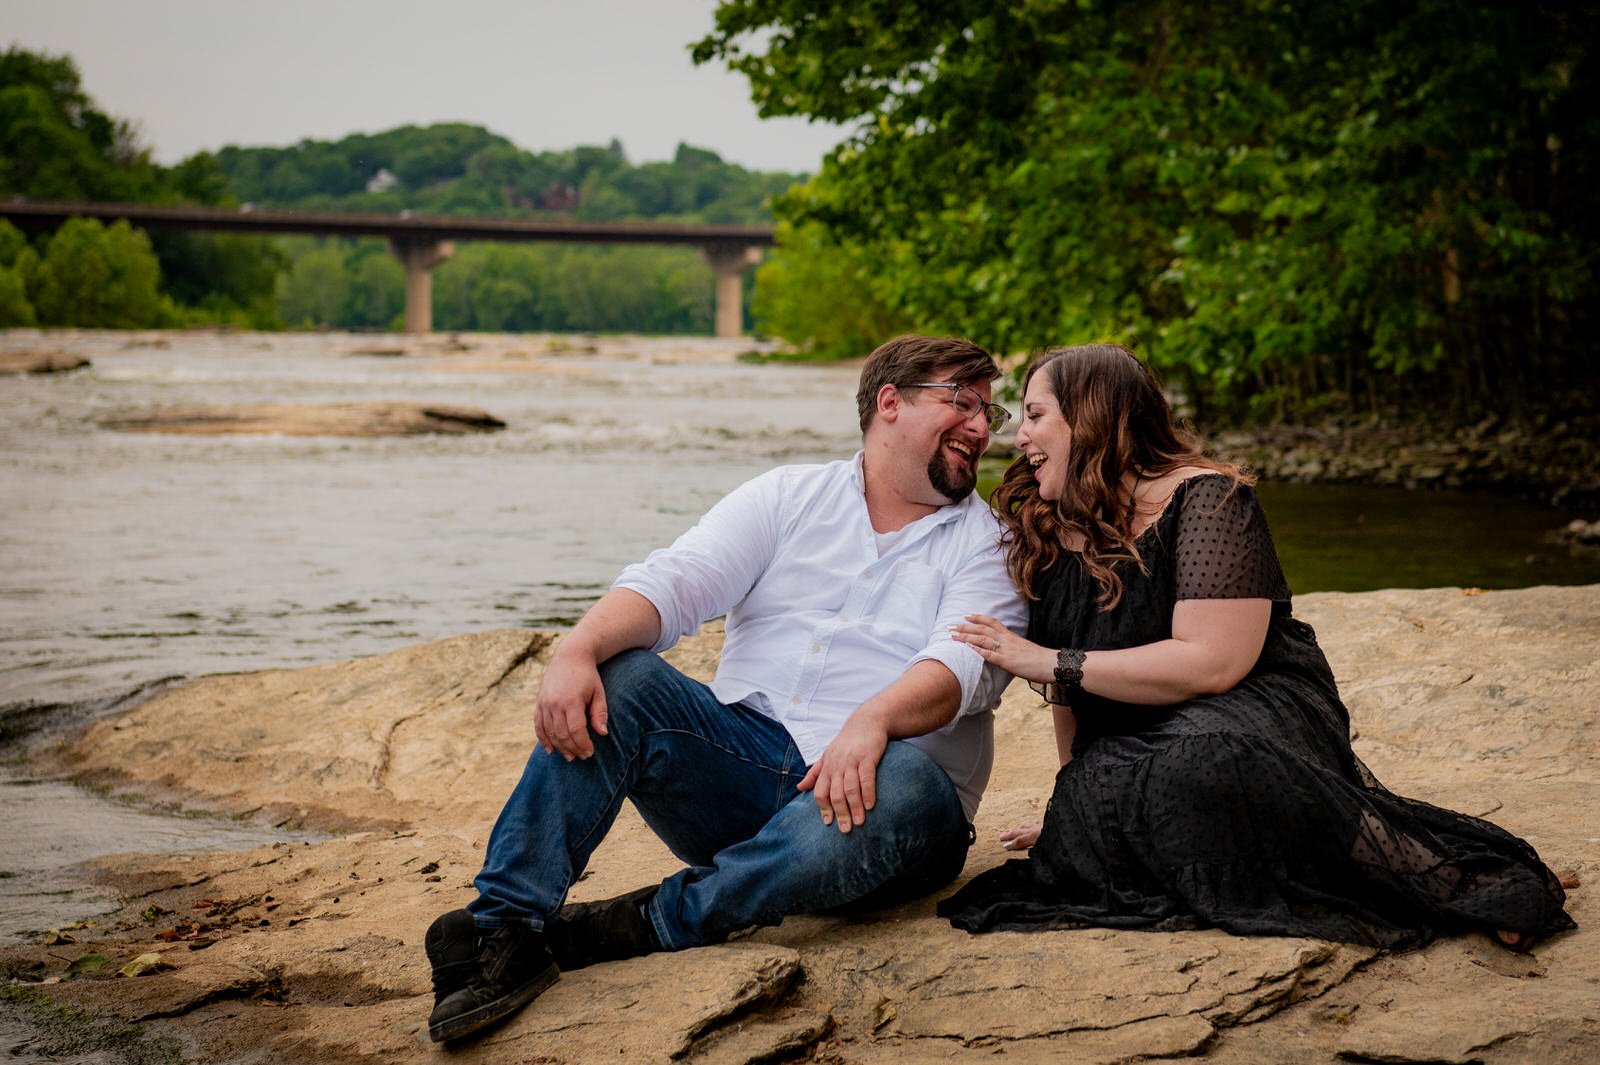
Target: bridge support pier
(730,262)
(419,257)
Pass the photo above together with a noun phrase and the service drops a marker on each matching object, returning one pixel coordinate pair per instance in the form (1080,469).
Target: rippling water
(130,556)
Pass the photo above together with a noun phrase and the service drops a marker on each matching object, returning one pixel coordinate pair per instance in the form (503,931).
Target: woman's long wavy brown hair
(1121,423)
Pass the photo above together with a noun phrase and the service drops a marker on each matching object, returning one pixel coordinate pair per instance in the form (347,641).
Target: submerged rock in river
(20,362)
(323,419)
(1488,703)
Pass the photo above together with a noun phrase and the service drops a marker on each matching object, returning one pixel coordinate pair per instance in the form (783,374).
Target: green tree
(439,153)
(377,290)
(99,276)
(317,289)
(55,144)
(18,262)
(819,295)
(1280,200)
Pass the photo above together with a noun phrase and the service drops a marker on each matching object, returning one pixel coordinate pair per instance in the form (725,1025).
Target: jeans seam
(737,756)
(608,816)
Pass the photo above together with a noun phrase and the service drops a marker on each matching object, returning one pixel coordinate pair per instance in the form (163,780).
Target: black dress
(1246,811)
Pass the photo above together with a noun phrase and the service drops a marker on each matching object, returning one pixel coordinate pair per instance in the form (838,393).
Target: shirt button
(844,617)
(816,648)
(868,575)
(796,700)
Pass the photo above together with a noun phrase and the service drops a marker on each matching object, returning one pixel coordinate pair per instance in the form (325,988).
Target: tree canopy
(1281,201)
(454,168)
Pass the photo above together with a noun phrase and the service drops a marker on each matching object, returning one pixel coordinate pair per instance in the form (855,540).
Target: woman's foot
(1522,942)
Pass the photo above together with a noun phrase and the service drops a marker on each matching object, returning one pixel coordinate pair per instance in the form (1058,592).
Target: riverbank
(311,951)
(1556,463)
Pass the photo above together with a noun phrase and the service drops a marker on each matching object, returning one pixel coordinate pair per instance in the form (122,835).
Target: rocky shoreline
(311,951)
(1557,463)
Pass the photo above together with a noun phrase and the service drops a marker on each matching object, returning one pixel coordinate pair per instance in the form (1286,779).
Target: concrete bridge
(422,242)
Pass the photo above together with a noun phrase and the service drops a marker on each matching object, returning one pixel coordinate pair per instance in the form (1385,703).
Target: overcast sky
(199,74)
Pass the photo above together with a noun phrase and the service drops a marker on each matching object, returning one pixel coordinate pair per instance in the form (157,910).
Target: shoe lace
(496,950)
(452,976)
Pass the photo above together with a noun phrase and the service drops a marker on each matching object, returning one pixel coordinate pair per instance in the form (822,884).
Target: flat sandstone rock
(21,362)
(323,419)
(1489,703)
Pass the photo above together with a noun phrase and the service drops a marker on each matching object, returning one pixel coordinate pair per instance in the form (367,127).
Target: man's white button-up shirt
(818,621)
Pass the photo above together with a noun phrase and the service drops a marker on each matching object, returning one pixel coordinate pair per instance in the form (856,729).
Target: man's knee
(636,684)
(630,669)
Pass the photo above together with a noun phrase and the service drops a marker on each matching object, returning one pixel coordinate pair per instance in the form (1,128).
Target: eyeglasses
(968,403)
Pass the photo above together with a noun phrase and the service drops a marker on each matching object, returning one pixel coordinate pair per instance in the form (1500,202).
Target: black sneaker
(481,976)
(584,933)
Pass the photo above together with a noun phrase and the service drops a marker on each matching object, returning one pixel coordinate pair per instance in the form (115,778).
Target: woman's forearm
(1214,645)
(1066,723)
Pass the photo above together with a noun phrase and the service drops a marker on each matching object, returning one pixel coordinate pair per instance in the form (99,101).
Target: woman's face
(1044,437)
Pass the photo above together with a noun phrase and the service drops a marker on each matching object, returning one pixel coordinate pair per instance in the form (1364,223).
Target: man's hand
(571,698)
(844,780)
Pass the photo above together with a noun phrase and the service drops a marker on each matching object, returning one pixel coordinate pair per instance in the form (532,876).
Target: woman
(1207,777)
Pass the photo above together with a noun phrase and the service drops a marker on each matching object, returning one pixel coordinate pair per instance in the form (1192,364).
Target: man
(838,757)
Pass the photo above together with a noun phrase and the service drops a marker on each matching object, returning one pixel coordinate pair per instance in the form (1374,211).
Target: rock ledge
(1489,703)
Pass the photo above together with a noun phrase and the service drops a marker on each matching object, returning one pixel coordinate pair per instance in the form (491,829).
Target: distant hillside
(56,144)
(454,168)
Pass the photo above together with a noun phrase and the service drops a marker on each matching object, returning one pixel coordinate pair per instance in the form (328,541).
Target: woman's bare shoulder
(1152,496)
(1158,490)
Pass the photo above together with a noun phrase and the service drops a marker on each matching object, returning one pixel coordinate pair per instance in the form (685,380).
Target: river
(128,558)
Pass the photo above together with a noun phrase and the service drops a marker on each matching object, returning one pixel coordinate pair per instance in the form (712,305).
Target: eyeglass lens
(968,403)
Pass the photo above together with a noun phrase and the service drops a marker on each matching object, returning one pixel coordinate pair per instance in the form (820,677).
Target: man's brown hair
(912,359)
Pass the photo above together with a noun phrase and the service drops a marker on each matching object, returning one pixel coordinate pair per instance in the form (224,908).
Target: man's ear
(889,401)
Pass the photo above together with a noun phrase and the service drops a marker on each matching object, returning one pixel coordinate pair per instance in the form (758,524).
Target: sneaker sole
(488,1013)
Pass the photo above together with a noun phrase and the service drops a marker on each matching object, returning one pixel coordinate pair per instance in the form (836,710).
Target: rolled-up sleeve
(714,564)
(978,585)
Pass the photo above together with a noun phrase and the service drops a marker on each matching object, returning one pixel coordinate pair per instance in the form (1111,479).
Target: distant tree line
(55,144)
(453,168)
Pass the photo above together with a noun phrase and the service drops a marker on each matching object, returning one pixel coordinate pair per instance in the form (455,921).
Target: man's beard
(953,486)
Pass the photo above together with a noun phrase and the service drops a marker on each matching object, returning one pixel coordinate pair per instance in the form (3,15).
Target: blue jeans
(717,784)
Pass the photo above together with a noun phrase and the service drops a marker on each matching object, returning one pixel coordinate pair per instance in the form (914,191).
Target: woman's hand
(999,645)
(1021,838)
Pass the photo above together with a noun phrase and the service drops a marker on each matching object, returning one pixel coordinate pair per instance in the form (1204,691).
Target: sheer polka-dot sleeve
(1224,549)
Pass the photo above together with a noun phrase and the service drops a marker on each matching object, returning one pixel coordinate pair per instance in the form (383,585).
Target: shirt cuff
(961,660)
(659,596)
